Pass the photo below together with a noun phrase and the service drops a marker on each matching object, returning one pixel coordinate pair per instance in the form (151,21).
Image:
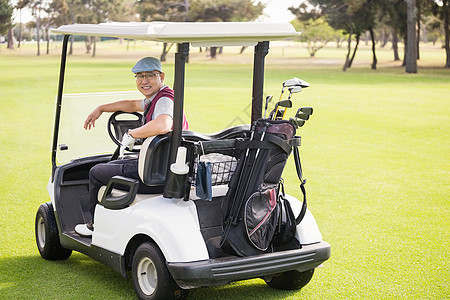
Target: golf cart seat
(154,154)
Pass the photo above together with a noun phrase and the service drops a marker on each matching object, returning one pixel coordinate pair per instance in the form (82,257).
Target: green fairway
(375,153)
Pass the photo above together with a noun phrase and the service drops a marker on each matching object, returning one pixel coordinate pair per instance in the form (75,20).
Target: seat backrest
(153,160)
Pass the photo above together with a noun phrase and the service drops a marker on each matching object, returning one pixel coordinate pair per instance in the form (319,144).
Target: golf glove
(127,142)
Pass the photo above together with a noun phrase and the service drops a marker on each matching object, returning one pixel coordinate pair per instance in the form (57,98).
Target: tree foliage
(6,11)
(224,10)
(316,33)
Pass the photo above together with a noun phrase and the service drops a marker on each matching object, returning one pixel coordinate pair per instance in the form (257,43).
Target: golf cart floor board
(82,239)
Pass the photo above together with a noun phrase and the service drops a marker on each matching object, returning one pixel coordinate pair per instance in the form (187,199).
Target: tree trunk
(47,37)
(354,51)
(72,39)
(385,38)
(88,44)
(349,47)
(418,28)
(10,39)
(213,52)
(38,34)
(20,28)
(411,55)
(94,50)
(446,7)
(374,61)
(395,45)
(405,50)
(163,54)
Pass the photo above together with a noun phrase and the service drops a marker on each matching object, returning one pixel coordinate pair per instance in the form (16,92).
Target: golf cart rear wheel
(292,280)
(151,278)
(47,238)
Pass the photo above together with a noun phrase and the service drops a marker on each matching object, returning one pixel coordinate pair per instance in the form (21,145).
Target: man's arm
(123,105)
(161,125)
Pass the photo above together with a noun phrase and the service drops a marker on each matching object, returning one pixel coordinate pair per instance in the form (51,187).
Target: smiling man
(158,119)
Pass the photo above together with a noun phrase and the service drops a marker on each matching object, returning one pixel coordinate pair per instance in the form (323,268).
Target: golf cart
(171,241)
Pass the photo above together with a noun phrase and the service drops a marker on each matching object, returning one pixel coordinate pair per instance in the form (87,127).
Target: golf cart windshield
(75,142)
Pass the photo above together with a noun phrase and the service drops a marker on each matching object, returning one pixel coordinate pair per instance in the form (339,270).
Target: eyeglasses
(140,77)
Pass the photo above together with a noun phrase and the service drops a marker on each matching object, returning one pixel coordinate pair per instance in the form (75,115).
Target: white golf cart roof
(198,34)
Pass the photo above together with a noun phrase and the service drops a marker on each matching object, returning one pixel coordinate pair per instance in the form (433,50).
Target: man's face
(149,83)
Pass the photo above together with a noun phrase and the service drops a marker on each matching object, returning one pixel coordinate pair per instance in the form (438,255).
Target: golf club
(306,110)
(301,82)
(302,116)
(282,103)
(292,90)
(296,123)
(268,99)
(292,82)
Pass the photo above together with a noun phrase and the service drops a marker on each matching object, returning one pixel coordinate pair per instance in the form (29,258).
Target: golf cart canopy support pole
(59,101)
(178,88)
(261,50)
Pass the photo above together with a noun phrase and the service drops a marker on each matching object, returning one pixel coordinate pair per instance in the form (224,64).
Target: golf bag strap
(274,143)
(298,166)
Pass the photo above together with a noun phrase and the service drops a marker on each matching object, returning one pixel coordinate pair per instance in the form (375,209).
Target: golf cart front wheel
(47,238)
(292,280)
(151,278)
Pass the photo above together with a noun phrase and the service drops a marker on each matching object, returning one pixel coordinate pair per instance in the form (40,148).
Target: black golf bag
(254,214)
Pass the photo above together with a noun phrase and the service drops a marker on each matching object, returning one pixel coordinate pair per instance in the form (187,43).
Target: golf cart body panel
(158,218)
(185,229)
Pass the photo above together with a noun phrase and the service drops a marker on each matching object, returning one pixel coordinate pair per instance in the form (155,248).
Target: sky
(275,11)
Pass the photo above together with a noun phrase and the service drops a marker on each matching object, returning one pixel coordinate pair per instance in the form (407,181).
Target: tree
(169,10)
(411,47)
(393,14)
(6,11)
(224,11)
(343,14)
(443,11)
(20,5)
(446,13)
(316,32)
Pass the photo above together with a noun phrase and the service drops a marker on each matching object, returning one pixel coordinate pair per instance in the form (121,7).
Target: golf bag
(252,209)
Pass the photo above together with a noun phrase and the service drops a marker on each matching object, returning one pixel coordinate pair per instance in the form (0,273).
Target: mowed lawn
(375,153)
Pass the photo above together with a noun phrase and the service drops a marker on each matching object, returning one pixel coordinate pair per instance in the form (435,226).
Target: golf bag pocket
(261,217)
(274,167)
(203,181)
(285,232)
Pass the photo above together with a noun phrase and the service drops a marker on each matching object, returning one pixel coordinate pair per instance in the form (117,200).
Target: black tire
(292,280)
(151,278)
(47,239)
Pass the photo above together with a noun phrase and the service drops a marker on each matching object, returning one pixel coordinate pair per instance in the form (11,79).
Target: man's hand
(93,116)
(128,141)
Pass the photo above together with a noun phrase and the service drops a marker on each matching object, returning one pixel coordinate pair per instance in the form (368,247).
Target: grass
(375,153)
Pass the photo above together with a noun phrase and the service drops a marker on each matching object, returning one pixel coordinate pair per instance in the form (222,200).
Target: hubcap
(41,232)
(147,276)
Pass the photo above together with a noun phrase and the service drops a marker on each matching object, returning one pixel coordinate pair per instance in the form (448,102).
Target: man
(158,113)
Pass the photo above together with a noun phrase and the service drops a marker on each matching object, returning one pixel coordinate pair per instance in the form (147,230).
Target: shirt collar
(148,100)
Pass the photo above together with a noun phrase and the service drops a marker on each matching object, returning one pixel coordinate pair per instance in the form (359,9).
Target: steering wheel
(118,126)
